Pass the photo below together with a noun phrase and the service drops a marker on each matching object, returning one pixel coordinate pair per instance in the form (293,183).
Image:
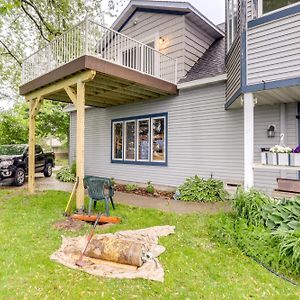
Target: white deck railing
(90,38)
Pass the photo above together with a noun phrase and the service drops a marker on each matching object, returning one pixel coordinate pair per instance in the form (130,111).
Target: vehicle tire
(48,170)
(20,177)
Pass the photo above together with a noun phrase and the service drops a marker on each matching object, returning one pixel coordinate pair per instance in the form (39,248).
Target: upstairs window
(267,6)
(232,17)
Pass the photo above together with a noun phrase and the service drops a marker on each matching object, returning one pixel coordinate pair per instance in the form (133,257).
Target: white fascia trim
(177,5)
(202,81)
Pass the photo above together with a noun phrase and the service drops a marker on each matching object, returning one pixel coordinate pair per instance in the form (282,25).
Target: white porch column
(248,140)
(283,173)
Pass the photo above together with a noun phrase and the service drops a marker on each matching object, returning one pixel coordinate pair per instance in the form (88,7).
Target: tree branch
(10,53)
(35,23)
(39,15)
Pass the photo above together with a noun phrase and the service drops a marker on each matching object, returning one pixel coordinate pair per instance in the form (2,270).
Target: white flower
(280,149)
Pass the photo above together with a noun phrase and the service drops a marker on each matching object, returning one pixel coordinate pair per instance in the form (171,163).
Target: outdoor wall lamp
(161,40)
(271,131)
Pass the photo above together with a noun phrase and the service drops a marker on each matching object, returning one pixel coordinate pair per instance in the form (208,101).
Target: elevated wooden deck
(113,84)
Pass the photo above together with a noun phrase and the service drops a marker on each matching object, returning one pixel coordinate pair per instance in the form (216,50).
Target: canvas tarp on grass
(71,248)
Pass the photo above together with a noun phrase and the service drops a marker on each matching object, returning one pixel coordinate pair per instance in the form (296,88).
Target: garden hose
(267,267)
(271,270)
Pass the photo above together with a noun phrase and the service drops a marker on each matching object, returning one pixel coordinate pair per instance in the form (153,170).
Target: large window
(140,140)
(232,17)
(267,6)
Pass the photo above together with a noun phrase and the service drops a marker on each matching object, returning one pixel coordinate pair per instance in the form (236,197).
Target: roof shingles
(211,64)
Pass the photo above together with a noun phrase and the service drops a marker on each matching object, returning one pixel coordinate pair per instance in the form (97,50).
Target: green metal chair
(96,188)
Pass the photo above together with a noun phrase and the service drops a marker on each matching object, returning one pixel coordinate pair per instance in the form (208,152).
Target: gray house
(234,82)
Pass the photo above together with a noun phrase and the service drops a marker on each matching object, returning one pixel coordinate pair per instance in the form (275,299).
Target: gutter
(202,82)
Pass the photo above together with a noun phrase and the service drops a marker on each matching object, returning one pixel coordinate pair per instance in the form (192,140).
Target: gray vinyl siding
(196,43)
(201,135)
(273,50)
(170,27)
(233,60)
(233,69)
(266,115)
(184,40)
(203,139)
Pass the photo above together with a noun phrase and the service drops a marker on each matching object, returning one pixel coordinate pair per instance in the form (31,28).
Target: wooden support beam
(72,94)
(80,126)
(34,106)
(60,85)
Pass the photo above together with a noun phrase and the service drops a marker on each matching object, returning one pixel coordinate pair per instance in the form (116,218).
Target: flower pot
(295,159)
(264,159)
(271,158)
(283,159)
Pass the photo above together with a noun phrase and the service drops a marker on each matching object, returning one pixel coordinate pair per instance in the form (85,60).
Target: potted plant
(264,153)
(295,157)
(279,155)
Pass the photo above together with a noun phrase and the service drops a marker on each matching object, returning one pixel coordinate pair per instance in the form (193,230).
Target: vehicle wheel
(19,178)
(48,170)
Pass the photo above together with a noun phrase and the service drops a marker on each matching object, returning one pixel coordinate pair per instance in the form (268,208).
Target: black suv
(14,163)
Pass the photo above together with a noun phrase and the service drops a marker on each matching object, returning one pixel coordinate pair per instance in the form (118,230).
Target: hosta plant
(199,189)
(65,175)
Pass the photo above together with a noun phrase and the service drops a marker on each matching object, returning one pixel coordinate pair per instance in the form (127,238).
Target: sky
(212,9)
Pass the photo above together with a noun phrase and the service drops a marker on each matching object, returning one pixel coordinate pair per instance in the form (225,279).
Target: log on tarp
(92,218)
(117,250)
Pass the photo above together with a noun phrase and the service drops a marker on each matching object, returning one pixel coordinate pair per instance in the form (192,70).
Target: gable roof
(176,7)
(211,64)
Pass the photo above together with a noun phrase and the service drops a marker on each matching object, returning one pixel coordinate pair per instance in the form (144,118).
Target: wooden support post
(34,106)
(80,126)
(248,140)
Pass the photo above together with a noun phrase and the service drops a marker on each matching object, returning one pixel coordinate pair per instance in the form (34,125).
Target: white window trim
(125,140)
(137,139)
(260,8)
(151,146)
(113,135)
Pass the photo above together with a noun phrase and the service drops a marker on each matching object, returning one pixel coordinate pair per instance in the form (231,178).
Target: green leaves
(267,230)
(249,205)
(283,215)
(51,121)
(131,187)
(65,175)
(199,189)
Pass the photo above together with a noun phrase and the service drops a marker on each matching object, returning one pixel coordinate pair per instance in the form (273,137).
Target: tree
(51,121)
(25,26)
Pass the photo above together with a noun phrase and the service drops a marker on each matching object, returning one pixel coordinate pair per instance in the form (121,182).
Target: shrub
(65,175)
(264,229)
(150,188)
(249,205)
(199,189)
(130,187)
(282,216)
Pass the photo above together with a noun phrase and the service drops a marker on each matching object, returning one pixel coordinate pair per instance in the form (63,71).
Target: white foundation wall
(203,139)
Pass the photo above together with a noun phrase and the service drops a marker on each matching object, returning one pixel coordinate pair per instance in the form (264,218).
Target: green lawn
(195,267)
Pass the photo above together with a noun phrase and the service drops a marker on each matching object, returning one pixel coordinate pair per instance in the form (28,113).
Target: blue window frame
(141,140)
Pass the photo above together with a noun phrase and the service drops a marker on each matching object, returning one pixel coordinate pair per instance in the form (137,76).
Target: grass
(195,267)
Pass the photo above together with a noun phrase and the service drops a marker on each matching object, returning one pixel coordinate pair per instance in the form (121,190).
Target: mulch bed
(143,192)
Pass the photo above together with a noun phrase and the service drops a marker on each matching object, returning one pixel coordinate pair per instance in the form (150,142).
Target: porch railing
(91,38)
